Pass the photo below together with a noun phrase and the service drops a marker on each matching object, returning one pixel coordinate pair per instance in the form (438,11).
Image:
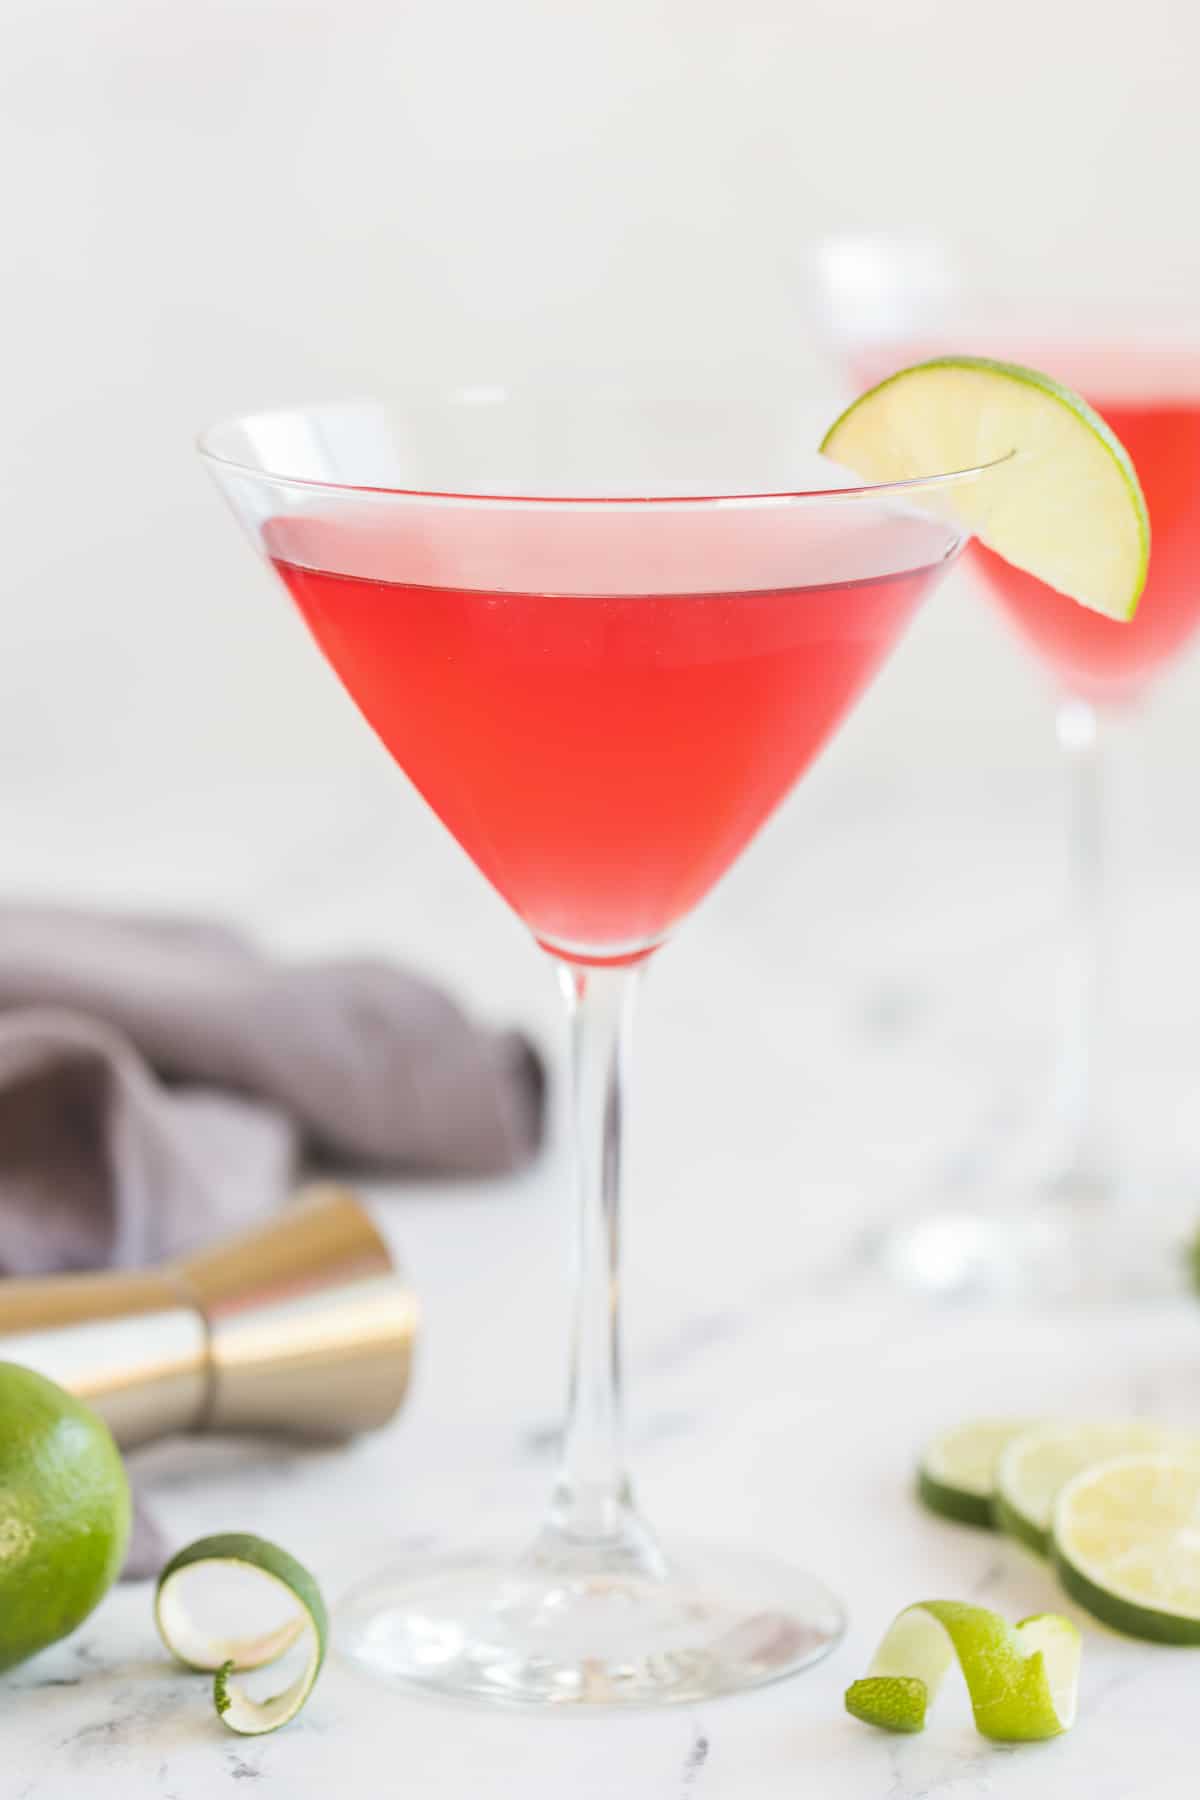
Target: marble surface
(817,1050)
(772,1415)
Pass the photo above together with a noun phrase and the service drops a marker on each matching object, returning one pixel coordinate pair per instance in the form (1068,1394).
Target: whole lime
(64,1512)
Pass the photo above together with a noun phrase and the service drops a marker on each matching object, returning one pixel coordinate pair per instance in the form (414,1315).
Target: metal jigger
(302,1326)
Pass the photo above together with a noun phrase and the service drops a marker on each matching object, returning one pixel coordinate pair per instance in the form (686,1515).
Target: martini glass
(602,683)
(1073,1212)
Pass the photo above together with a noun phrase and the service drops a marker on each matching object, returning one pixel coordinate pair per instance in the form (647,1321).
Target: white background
(211,207)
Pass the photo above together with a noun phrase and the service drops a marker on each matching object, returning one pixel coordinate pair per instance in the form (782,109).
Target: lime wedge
(956,1476)
(1063,503)
(1126,1544)
(1037,1465)
(1023,1679)
(200,1649)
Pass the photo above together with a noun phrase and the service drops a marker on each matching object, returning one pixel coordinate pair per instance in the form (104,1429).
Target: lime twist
(1060,497)
(1023,1680)
(222,1655)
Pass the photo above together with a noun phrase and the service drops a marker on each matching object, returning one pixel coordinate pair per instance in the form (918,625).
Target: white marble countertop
(814,1049)
(764,1415)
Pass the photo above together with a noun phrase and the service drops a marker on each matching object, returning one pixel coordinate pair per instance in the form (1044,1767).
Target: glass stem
(592,1501)
(1082,995)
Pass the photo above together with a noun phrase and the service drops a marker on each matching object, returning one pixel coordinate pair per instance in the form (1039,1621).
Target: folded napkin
(160,1080)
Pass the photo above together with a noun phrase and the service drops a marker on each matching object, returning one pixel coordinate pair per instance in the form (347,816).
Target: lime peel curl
(1023,1680)
(201,1650)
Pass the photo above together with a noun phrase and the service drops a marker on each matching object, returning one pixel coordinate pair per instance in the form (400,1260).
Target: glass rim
(860,491)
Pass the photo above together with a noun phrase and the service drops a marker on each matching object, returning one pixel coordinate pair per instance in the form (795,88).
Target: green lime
(64,1513)
(1038,1464)
(1023,1679)
(1062,502)
(956,1476)
(1126,1544)
(278,1571)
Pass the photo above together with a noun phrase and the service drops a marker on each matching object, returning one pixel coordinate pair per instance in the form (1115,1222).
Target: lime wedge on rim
(201,1649)
(1036,1466)
(1062,501)
(956,1476)
(1023,1679)
(1126,1545)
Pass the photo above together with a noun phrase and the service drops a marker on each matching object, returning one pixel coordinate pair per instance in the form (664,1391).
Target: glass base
(1118,1241)
(976,1254)
(569,1629)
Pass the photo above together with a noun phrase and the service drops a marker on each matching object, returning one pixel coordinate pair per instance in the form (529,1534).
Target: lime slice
(1023,1679)
(956,1476)
(201,1650)
(1063,503)
(1037,1465)
(1126,1544)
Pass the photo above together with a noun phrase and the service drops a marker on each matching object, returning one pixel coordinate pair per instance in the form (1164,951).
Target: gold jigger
(303,1326)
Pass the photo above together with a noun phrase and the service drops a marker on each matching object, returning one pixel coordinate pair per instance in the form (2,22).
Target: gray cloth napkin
(160,1080)
(148,1549)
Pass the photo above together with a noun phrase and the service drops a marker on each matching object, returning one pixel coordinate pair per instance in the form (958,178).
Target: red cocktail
(602,698)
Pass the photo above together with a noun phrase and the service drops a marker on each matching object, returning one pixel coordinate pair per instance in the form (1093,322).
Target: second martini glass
(1073,1211)
(602,685)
